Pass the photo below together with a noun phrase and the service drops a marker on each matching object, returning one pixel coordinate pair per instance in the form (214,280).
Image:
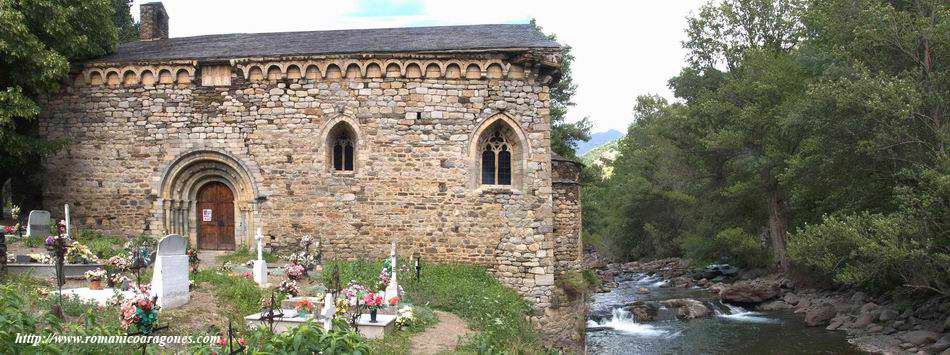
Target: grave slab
(384,324)
(100,297)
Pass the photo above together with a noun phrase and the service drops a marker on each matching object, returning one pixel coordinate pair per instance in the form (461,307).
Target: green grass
(236,296)
(494,310)
(243,255)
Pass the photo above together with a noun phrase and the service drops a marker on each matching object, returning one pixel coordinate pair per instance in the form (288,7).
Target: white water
(622,321)
(740,314)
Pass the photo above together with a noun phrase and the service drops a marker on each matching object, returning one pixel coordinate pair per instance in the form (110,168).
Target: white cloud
(622,48)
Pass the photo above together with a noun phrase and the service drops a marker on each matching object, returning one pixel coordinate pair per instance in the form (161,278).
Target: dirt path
(443,337)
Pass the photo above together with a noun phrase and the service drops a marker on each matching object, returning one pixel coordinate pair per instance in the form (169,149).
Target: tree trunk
(777,230)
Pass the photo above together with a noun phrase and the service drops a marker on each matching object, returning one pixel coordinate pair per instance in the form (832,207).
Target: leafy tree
(744,118)
(126,28)
(38,40)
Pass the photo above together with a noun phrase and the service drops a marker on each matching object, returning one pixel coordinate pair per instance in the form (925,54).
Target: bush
(873,251)
(308,338)
(21,312)
(733,246)
(470,292)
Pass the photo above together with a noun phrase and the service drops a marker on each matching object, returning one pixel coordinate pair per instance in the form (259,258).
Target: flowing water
(733,330)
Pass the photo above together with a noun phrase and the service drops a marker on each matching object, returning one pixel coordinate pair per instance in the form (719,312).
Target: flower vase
(95,284)
(372,316)
(125,285)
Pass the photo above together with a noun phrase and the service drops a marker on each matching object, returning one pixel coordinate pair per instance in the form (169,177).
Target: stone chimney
(154,21)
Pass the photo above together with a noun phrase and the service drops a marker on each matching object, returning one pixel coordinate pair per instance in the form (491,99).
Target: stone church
(437,137)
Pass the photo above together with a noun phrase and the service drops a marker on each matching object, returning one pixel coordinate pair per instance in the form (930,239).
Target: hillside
(596,140)
(602,155)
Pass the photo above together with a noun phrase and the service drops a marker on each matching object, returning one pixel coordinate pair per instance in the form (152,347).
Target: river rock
(835,324)
(791,298)
(875,328)
(858,297)
(888,315)
(820,315)
(918,337)
(643,290)
(752,291)
(863,321)
(867,307)
(687,308)
(941,344)
(776,305)
(644,312)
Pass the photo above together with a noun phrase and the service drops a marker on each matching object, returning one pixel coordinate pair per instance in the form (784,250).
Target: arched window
(341,147)
(343,152)
(496,158)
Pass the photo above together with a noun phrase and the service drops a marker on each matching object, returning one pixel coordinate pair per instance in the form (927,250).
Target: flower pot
(372,316)
(125,285)
(95,284)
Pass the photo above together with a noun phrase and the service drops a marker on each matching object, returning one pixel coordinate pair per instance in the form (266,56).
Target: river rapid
(730,330)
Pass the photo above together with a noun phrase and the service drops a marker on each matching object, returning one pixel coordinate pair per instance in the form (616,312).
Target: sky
(623,49)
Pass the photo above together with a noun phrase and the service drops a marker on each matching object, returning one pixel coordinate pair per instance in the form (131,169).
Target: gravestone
(392,290)
(170,278)
(38,224)
(260,266)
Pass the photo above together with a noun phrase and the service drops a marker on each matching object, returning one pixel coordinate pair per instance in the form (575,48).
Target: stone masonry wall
(128,124)
(568,248)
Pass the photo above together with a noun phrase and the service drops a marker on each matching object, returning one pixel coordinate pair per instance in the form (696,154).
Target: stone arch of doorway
(186,176)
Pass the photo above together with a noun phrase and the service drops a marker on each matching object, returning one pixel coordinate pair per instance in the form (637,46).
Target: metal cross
(233,351)
(271,314)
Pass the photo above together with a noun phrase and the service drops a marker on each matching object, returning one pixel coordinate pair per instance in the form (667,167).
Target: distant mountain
(596,140)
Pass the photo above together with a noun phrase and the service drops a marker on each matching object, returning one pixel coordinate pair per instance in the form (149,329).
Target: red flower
(241,341)
(222,341)
(247,274)
(394,300)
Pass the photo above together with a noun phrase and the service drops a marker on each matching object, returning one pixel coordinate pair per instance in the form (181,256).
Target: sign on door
(206,215)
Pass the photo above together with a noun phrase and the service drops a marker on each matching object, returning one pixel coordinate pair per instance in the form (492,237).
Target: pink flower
(247,275)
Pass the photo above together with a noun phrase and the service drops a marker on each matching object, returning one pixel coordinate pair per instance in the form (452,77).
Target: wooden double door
(215,217)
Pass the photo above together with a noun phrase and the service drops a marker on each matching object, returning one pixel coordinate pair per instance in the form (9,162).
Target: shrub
(733,246)
(470,292)
(876,252)
(308,338)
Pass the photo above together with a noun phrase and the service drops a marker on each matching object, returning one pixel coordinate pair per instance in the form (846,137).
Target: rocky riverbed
(666,306)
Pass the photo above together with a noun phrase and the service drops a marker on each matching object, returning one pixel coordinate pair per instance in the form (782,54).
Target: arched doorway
(208,180)
(215,204)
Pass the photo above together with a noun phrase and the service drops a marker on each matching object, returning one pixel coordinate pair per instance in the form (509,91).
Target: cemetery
(165,287)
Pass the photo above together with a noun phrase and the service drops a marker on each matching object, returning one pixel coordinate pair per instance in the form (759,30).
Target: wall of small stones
(415,117)
(568,248)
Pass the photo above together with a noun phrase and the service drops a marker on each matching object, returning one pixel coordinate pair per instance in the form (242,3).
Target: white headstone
(38,224)
(260,266)
(170,278)
(392,290)
(328,312)
(67,220)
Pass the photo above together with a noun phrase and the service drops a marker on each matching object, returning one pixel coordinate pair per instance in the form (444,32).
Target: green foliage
(238,296)
(494,310)
(22,311)
(104,246)
(243,255)
(733,246)
(308,338)
(825,117)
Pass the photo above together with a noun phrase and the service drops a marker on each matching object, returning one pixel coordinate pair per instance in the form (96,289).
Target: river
(732,330)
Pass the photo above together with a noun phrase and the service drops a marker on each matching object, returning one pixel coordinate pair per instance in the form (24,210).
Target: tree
(564,135)
(756,40)
(38,40)
(127,29)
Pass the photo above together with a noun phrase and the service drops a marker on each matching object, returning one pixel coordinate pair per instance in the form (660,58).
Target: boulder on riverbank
(751,292)
(643,311)
(687,308)
(820,315)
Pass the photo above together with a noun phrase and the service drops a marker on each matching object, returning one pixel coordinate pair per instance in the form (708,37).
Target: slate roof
(382,40)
